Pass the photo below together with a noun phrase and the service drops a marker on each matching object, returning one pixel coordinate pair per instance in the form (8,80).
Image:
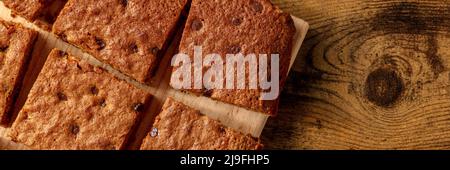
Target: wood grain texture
(372,74)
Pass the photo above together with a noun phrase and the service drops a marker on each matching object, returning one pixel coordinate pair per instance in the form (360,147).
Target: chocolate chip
(63,37)
(234,49)
(79,67)
(207,92)
(138,107)
(61,96)
(154,51)
(134,48)
(222,129)
(256,6)
(123,2)
(4,48)
(94,90)
(74,129)
(236,21)
(100,43)
(63,54)
(197,25)
(102,103)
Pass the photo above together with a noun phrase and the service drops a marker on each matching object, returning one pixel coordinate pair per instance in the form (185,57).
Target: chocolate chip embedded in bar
(74,105)
(16,43)
(179,127)
(128,35)
(240,26)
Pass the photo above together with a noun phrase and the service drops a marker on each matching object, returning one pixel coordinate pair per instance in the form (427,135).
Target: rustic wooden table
(372,74)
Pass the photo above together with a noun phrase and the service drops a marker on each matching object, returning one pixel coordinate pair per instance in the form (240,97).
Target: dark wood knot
(384,87)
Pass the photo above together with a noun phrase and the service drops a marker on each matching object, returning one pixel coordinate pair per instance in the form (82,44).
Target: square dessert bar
(16,43)
(179,127)
(43,12)
(74,105)
(240,26)
(129,35)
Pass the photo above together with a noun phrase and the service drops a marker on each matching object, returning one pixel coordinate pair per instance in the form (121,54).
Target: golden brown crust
(246,26)
(180,127)
(74,105)
(29,9)
(128,35)
(16,43)
(42,12)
